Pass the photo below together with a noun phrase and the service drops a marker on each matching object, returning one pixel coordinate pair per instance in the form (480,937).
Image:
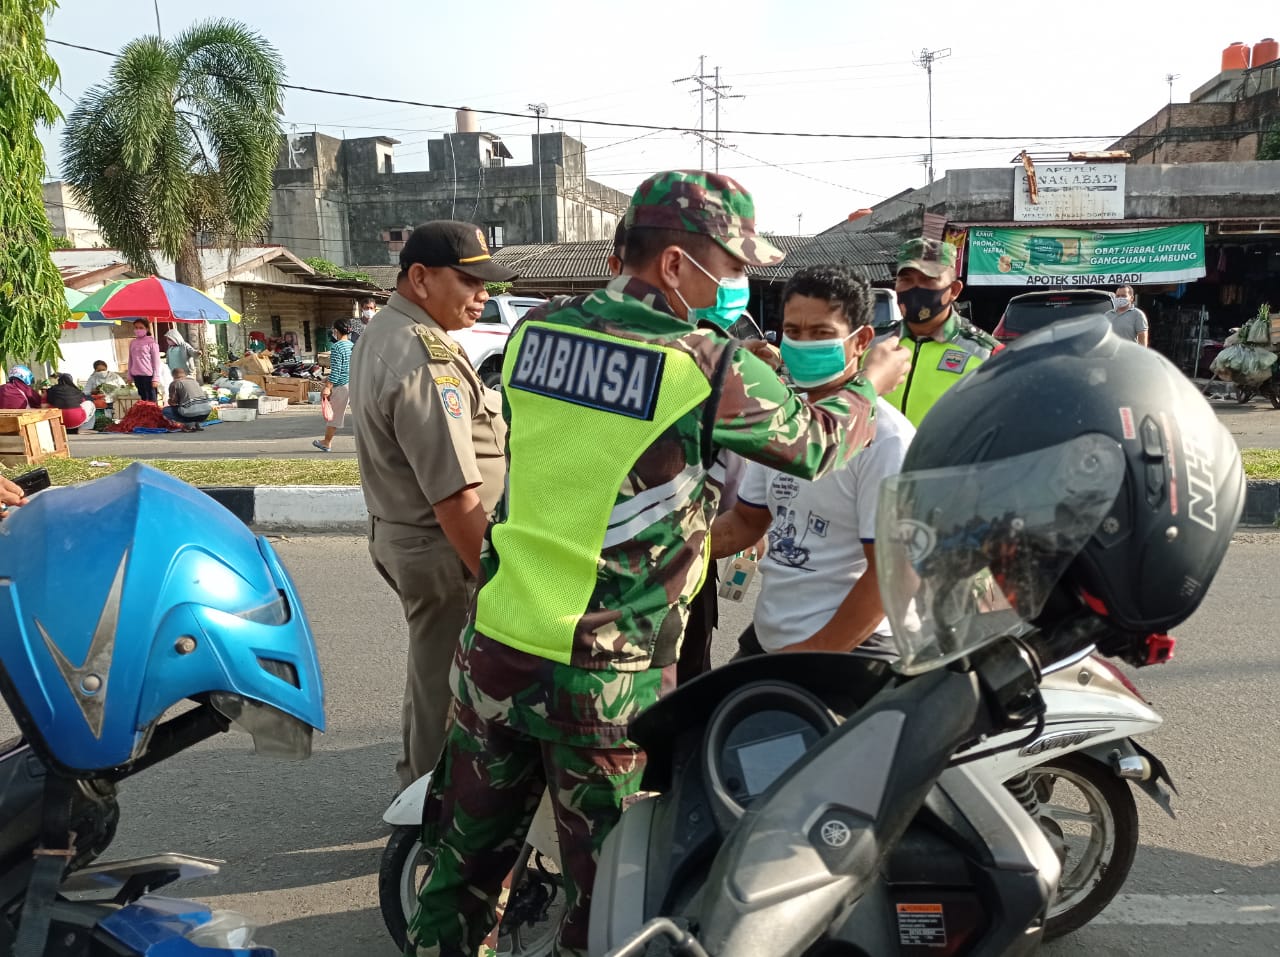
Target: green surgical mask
(732,296)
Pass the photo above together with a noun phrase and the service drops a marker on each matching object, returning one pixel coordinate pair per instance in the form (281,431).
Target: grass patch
(1258,464)
(315,471)
(1261,463)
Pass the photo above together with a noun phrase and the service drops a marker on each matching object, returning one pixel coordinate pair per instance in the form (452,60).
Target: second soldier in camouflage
(617,406)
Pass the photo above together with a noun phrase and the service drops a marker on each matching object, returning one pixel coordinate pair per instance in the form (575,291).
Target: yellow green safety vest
(618,396)
(935,368)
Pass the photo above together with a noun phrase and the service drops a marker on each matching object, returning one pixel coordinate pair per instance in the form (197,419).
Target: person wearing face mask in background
(617,406)
(144,361)
(818,588)
(1127,320)
(944,347)
(368,309)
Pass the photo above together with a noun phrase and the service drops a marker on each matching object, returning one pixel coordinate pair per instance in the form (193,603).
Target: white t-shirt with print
(815,542)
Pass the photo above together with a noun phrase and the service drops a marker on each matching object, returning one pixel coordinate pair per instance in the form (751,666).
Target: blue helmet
(22,374)
(184,602)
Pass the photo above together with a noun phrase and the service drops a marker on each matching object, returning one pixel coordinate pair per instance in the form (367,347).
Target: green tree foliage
(179,143)
(1269,148)
(32,304)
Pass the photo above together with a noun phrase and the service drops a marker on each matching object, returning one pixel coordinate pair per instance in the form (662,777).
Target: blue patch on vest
(600,374)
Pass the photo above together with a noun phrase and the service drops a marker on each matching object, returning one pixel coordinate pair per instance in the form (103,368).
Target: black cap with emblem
(449,243)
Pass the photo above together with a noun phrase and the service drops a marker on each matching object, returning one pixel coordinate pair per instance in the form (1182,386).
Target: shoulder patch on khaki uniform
(436,349)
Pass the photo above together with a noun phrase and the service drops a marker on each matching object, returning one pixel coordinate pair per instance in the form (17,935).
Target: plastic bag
(1243,362)
(1259,332)
(326,408)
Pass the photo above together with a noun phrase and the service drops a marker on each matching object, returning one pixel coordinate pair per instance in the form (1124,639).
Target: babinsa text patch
(606,375)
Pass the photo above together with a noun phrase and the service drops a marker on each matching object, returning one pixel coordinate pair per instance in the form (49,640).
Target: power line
(657,127)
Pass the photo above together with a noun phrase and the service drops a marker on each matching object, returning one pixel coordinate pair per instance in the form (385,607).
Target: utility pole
(709,90)
(925,60)
(1169,78)
(539,110)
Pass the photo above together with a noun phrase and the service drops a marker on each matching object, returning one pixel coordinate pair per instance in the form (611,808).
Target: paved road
(289,434)
(302,840)
(281,435)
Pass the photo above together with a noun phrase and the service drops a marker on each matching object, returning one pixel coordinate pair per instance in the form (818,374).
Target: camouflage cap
(696,201)
(929,256)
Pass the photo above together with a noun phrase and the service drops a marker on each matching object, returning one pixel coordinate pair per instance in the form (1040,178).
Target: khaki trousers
(434,589)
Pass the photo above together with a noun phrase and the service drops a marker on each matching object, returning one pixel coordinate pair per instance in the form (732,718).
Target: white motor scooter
(532,914)
(1071,777)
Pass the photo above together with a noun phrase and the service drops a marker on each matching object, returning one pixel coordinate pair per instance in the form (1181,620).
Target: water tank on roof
(1235,57)
(1265,51)
(468,122)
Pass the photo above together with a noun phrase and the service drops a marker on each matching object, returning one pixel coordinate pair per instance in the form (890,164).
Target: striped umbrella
(154,299)
(74,298)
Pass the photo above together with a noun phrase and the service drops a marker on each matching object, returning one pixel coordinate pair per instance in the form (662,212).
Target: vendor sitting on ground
(76,408)
(17,392)
(102,376)
(188,404)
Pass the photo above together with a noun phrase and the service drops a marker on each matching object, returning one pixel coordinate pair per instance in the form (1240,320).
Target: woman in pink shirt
(144,361)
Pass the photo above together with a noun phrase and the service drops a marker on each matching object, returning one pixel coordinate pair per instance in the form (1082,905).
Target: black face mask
(922,304)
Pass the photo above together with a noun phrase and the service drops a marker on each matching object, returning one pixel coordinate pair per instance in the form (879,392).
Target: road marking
(1182,910)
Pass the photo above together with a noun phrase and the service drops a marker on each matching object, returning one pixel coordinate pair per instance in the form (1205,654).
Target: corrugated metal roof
(217,264)
(581,261)
(384,277)
(870,255)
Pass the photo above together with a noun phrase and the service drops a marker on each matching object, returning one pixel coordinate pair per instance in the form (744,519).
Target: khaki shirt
(425,426)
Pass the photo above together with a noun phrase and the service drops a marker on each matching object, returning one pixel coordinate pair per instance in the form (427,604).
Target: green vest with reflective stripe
(584,406)
(936,367)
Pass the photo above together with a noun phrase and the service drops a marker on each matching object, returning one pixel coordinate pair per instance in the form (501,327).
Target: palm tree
(178,143)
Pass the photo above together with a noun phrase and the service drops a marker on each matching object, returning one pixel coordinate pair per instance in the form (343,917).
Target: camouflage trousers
(487,787)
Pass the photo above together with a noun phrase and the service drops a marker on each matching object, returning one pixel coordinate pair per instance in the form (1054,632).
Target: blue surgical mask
(732,296)
(815,362)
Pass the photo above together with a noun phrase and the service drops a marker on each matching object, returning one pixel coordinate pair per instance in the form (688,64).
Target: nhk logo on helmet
(600,374)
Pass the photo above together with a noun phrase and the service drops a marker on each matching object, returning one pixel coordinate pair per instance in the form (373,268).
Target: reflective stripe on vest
(584,406)
(936,368)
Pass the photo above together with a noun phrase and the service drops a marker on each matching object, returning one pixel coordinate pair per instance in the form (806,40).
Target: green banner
(1045,257)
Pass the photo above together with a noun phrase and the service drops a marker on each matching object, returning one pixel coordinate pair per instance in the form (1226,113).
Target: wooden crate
(295,390)
(29,436)
(120,406)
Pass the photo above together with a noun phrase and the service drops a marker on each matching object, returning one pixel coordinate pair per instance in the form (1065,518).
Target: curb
(1261,503)
(312,508)
(340,508)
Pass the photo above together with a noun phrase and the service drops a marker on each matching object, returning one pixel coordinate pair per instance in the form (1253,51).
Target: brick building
(344,201)
(1225,122)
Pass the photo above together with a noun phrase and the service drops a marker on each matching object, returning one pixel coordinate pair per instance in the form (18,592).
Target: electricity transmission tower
(925,60)
(709,89)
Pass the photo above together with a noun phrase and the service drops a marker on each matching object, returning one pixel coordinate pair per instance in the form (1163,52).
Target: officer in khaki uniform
(431,442)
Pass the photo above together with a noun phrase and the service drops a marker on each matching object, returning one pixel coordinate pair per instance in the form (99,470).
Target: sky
(1033,73)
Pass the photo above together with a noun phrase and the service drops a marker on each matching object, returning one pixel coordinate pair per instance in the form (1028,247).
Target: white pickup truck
(485,341)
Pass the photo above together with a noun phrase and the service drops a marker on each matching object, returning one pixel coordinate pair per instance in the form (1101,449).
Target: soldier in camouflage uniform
(944,347)
(617,405)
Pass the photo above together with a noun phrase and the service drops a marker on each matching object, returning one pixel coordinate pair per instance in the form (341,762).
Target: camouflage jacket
(632,625)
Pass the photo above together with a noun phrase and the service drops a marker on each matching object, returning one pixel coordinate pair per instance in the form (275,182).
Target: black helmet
(1074,466)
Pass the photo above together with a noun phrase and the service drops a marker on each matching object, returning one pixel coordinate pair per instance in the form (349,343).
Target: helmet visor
(969,553)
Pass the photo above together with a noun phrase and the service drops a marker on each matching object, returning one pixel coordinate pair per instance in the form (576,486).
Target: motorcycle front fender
(406,809)
(1076,719)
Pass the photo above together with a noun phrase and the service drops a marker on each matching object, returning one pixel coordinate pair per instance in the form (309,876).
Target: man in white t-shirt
(818,588)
